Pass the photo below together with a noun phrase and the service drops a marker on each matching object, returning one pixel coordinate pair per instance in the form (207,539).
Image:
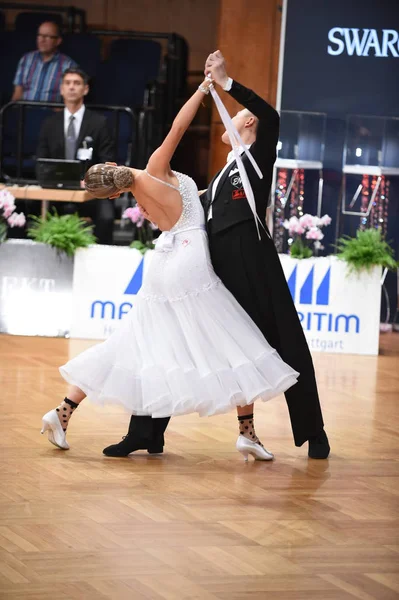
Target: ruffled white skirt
(186,345)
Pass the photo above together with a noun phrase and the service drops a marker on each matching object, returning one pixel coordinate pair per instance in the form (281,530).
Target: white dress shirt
(228,85)
(77,123)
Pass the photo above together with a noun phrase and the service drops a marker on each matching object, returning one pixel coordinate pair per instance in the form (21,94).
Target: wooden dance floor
(197,522)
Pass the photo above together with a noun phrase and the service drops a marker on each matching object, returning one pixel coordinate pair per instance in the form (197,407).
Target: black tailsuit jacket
(230,205)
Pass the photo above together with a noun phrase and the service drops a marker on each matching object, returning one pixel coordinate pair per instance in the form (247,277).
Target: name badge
(238,195)
(85,153)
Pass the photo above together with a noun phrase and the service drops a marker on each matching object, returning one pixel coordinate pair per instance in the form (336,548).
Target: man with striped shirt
(39,73)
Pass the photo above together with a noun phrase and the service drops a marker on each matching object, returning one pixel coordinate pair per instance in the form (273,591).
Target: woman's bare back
(160,198)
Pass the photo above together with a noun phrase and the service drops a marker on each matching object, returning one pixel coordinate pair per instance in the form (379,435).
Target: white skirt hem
(158,393)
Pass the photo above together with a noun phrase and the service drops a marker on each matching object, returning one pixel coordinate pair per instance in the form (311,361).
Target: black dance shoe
(319,446)
(130,443)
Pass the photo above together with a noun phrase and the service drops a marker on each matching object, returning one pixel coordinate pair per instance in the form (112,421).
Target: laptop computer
(58,173)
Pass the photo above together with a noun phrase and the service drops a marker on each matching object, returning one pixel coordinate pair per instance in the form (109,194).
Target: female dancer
(186,345)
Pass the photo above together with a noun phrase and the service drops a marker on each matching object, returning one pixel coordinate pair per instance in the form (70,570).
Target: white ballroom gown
(186,345)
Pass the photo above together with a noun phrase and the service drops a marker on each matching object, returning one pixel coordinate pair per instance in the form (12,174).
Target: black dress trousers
(250,268)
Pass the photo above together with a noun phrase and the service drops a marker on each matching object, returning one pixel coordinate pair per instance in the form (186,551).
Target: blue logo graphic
(306,291)
(107,309)
(136,281)
(308,295)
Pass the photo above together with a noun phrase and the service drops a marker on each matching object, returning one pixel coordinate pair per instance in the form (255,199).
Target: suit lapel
(208,197)
(59,135)
(83,129)
(223,179)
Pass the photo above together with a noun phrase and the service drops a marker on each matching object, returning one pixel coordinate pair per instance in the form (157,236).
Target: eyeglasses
(47,37)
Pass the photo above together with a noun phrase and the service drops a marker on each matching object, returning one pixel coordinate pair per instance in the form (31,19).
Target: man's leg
(145,433)
(251,270)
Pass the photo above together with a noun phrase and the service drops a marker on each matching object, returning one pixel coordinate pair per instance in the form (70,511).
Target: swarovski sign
(382,43)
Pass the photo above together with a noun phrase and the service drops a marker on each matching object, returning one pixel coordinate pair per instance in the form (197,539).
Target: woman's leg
(55,422)
(248,442)
(68,406)
(245,410)
(245,415)
(75,394)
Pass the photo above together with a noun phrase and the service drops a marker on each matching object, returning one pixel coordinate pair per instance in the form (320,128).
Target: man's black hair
(76,71)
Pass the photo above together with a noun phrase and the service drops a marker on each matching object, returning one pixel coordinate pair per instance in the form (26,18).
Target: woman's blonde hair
(103,181)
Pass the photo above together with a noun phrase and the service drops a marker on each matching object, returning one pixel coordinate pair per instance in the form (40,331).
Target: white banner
(106,280)
(339,312)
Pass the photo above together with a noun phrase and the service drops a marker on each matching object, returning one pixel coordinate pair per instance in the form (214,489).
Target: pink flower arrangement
(8,216)
(136,216)
(144,229)
(314,233)
(294,226)
(307,221)
(310,226)
(133,213)
(16,220)
(326,220)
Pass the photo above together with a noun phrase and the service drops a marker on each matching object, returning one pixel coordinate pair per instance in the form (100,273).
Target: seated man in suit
(70,135)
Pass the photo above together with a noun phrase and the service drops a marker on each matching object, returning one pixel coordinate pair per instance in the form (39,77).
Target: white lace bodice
(192,213)
(180,266)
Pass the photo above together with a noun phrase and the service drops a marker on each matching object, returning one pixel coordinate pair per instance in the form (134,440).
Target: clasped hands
(215,72)
(215,68)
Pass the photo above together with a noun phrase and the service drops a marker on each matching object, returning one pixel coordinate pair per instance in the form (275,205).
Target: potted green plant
(366,251)
(65,233)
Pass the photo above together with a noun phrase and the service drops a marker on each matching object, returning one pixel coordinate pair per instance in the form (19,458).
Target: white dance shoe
(246,446)
(56,434)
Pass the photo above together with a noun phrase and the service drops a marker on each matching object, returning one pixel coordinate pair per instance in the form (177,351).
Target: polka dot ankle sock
(65,411)
(247,428)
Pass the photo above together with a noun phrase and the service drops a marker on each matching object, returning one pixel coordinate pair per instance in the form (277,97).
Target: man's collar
(55,55)
(80,109)
(231,155)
